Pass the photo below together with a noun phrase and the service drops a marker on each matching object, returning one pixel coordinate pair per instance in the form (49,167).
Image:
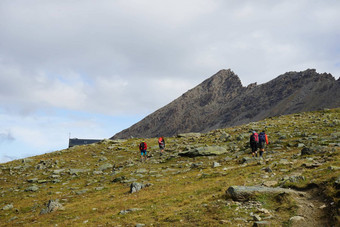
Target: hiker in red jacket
(143,152)
(254,139)
(161,143)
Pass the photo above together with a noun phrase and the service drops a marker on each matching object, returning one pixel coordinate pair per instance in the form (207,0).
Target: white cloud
(131,57)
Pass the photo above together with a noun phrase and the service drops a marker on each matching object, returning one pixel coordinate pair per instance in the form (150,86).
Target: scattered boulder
(300,145)
(97,172)
(32,188)
(311,165)
(294,179)
(335,168)
(307,151)
(141,171)
(52,206)
(139,225)
(197,165)
(129,210)
(216,164)
(33,180)
(256,217)
(81,191)
(248,160)
(135,187)
(284,162)
(244,193)
(8,207)
(268,170)
(58,171)
(102,159)
(42,181)
(225,137)
(119,179)
(204,151)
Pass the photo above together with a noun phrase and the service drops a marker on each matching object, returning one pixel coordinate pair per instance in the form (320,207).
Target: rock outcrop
(221,101)
(52,206)
(244,193)
(204,151)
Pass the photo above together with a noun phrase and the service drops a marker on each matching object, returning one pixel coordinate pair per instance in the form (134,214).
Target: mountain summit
(221,101)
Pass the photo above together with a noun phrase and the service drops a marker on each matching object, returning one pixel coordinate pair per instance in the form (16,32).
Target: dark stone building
(75,141)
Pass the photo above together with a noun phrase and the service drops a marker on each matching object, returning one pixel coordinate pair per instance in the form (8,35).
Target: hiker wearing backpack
(161,143)
(263,141)
(254,139)
(142,148)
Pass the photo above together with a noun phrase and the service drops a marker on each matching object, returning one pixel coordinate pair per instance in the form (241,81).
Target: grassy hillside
(92,183)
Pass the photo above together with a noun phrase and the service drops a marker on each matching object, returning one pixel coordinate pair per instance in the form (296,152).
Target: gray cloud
(123,57)
(95,68)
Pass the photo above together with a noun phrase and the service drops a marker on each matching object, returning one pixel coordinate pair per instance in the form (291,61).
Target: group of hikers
(257,141)
(143,148)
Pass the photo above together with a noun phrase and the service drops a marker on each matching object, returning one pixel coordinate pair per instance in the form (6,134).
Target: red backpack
(255,137)
(142,146)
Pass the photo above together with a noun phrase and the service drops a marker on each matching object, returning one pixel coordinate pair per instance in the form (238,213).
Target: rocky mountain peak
(221,101)
(224,79)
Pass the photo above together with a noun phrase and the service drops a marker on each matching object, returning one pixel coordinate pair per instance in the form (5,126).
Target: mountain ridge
(222,101)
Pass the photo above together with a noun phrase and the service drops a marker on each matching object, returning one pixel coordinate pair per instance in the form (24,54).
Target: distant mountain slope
(221,101)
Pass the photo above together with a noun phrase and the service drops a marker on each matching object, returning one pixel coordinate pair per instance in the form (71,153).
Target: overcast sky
(94,68)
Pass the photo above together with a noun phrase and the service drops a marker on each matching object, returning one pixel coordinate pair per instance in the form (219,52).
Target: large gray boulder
(135,187)
(51,206)
(245,193)
(204,151)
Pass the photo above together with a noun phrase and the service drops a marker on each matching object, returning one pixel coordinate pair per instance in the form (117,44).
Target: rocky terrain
(203,179)
(221,101)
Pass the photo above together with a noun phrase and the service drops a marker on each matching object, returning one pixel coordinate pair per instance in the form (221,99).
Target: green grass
(183,197)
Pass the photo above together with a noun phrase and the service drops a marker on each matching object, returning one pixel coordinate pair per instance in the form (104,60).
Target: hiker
(263,141)
(161,143)
(254,139)
(142,148)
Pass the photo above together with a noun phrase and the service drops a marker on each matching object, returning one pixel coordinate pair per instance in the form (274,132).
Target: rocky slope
(203,179)
(222,101)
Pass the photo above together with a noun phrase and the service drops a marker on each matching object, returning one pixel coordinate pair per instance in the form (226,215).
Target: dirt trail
(312,209)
